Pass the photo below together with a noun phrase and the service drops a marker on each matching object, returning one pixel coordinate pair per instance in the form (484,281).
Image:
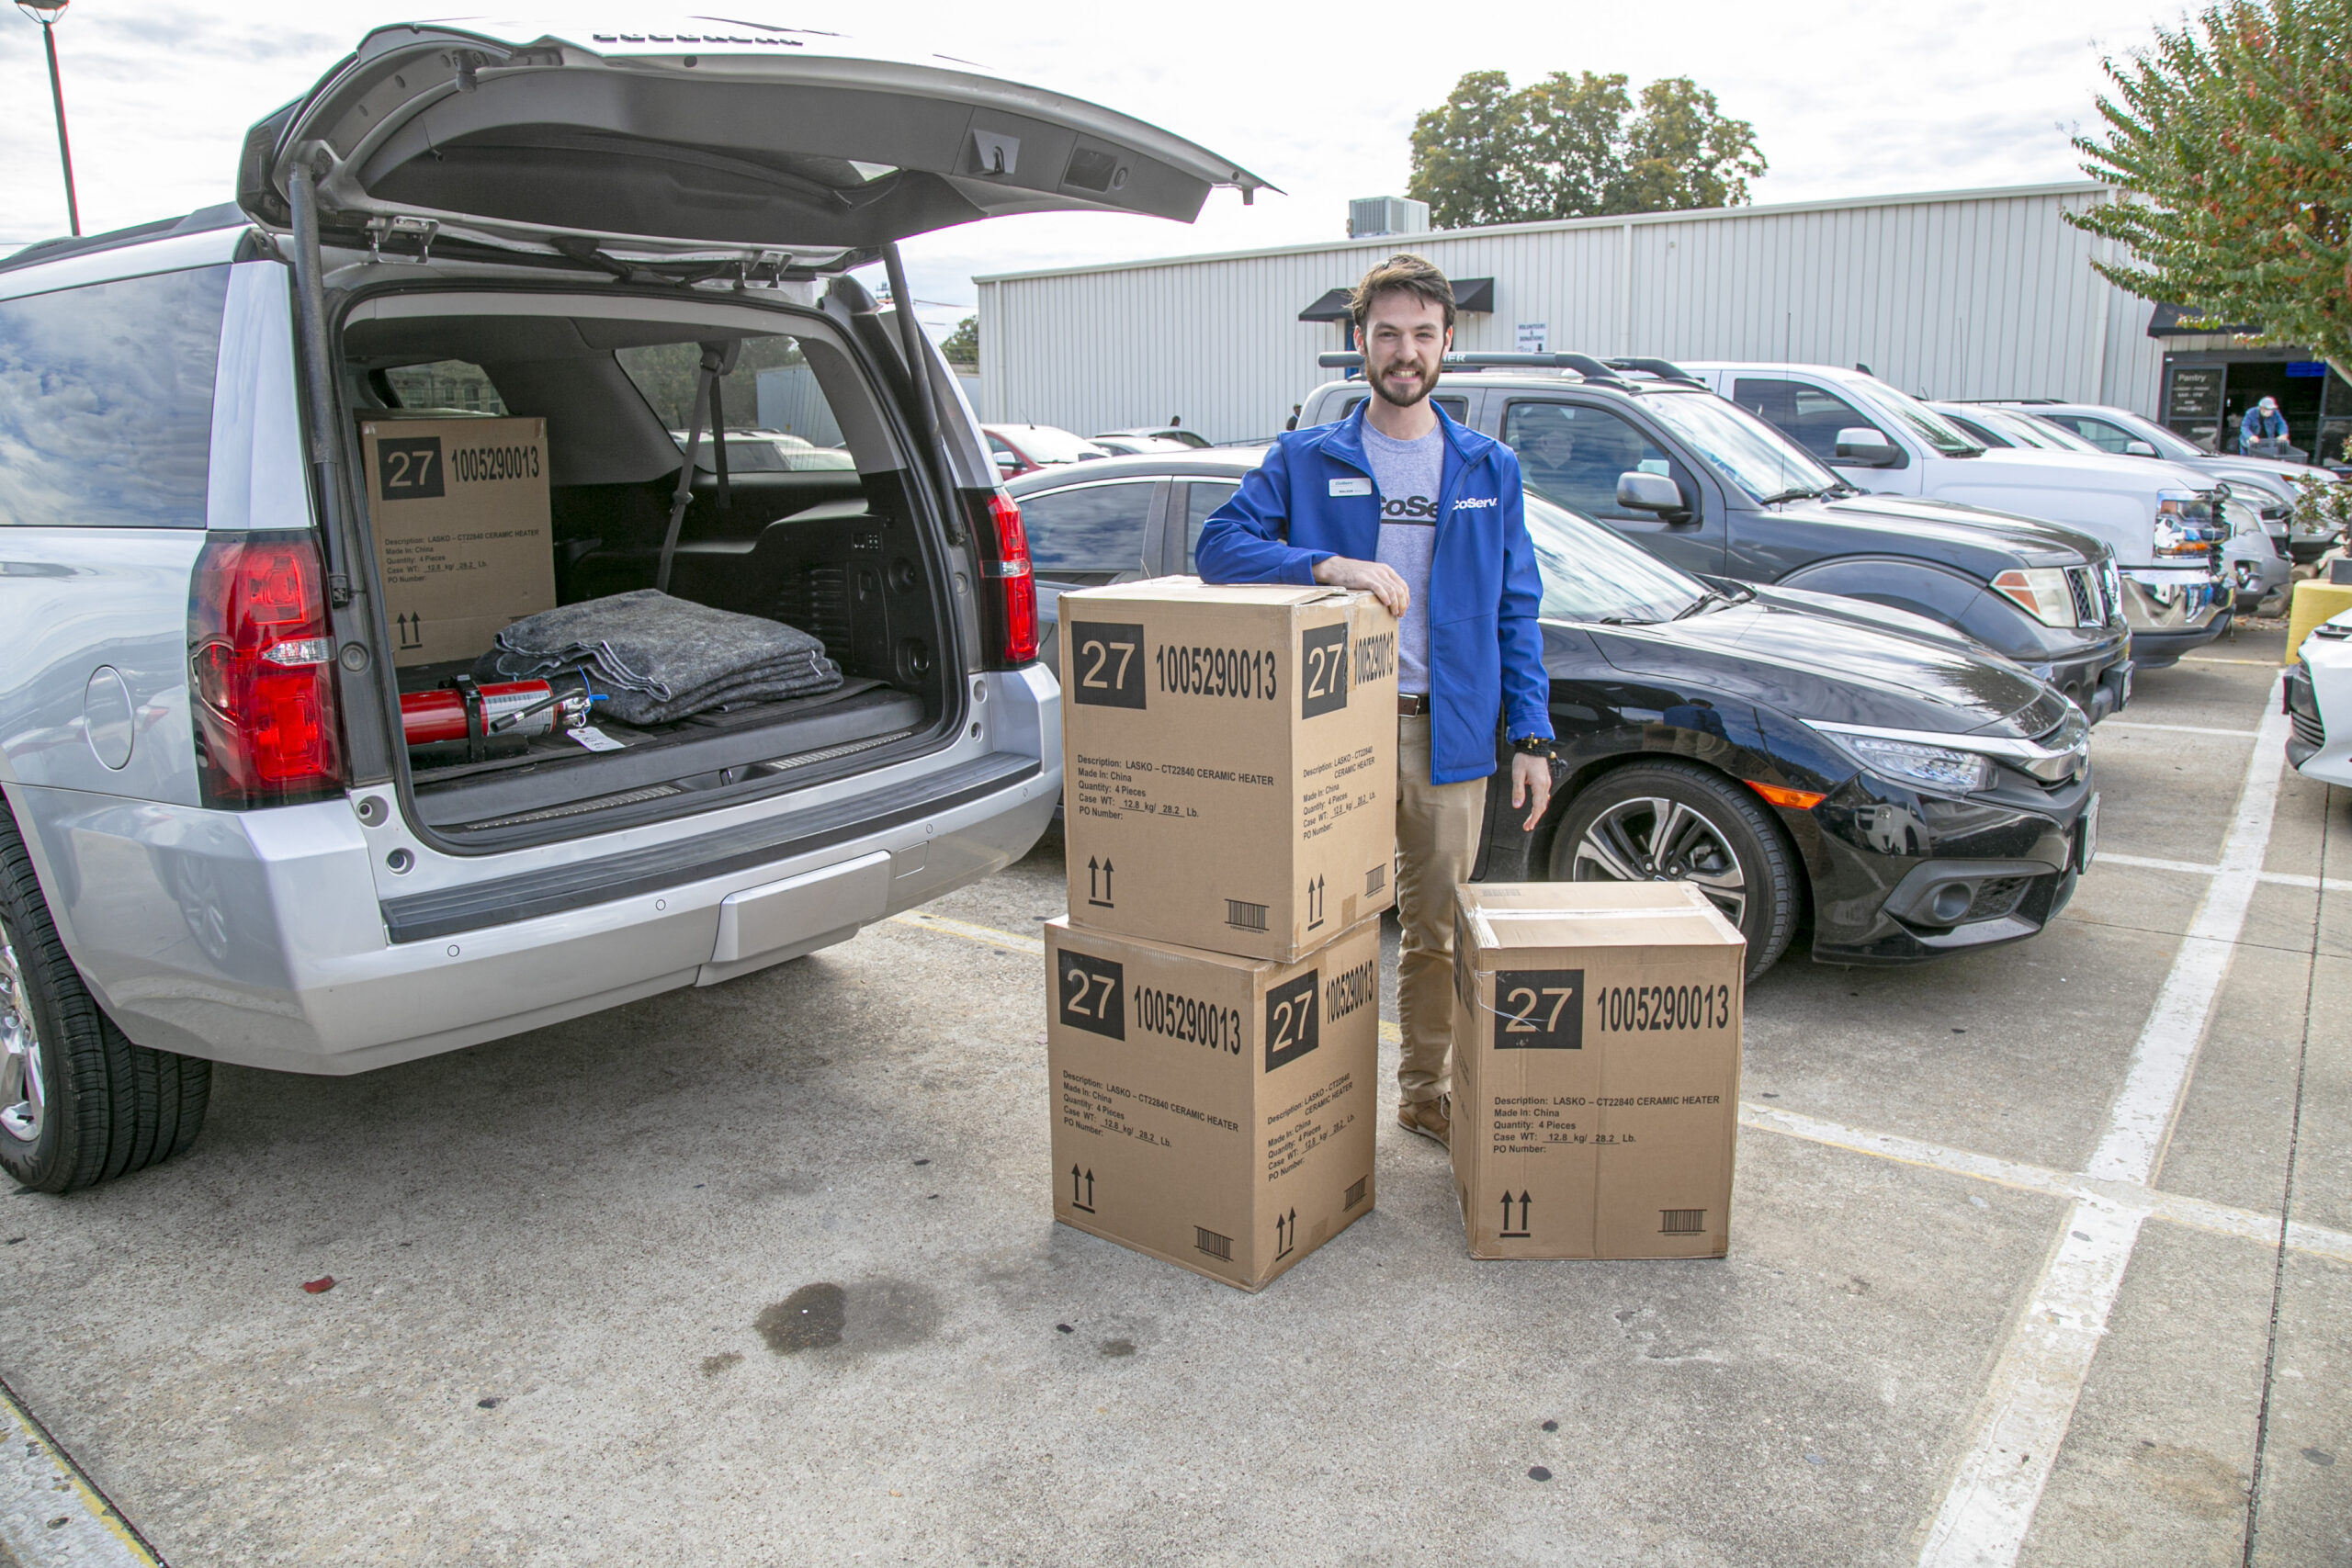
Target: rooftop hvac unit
(1376,215)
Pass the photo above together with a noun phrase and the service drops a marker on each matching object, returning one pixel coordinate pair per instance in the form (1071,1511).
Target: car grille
(1995,896)
(2309,729)
(2303,706)
(2082,582)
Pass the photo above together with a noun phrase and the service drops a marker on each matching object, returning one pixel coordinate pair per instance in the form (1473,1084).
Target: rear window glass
(1200,499)
(774,410)
(1457,409)
(446,386)
(1094,527)
(106,402)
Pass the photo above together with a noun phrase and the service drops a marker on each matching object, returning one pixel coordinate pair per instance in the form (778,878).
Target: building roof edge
(1642,219)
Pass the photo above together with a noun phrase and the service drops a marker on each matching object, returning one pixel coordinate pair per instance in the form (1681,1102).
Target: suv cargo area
(816,525)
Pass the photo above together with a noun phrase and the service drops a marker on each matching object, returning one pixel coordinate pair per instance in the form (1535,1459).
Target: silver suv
(227,837)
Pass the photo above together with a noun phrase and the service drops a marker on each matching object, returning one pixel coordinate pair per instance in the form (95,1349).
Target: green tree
(961,346)
(1577,147)
(2232,140)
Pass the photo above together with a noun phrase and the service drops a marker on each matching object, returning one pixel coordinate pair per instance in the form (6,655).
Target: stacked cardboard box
(1229,776)
(463,541)
(1596,1069)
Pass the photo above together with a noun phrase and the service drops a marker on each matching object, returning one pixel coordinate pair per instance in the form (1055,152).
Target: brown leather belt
(1411,704)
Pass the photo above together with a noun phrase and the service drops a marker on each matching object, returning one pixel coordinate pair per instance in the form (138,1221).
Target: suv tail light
(1008,590)
(261,669)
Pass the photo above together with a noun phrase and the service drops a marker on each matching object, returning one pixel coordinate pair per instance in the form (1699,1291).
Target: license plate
(2088,843)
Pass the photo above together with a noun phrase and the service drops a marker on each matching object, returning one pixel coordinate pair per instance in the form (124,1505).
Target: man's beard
(1425,385)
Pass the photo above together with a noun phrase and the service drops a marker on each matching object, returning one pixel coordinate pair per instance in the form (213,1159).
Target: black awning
(1472,297)
(2179,321)
(1331,307)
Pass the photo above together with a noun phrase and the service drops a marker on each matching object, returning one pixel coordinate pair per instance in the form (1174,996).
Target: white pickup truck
(2160,519)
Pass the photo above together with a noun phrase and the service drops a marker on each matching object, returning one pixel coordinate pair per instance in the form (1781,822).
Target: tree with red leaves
(2230,142)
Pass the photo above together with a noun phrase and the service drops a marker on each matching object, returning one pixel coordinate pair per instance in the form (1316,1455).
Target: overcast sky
(1848,98)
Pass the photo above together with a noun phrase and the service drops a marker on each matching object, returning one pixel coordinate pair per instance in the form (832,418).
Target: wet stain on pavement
(809,1319)
(880,1313)
(1118,1347)
(713,1365)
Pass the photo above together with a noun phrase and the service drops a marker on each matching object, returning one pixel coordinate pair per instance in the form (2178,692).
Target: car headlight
(2179,541)
(2041,592)
(1908,762)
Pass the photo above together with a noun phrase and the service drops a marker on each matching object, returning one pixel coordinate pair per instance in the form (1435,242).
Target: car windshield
(2029,430)
(2167,445)
(1591,574)
(1043,443)
(1925,422)
(1744,449)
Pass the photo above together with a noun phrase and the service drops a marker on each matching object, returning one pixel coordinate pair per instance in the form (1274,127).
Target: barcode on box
(1245,916)
(1215,1246)
(1682,1222)
(1375,880)
(1355,1193)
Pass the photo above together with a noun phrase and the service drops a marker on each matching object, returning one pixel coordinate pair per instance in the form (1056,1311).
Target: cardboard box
(1596,1069)
(1213,1111)
(1230,760)
(463,542)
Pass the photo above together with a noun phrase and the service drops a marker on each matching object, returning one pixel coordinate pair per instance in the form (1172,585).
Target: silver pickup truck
(222,840)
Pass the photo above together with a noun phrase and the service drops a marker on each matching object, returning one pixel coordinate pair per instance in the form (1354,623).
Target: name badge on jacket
(1350,487)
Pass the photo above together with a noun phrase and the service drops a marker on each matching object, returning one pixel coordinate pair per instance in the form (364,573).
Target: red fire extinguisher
(469,714)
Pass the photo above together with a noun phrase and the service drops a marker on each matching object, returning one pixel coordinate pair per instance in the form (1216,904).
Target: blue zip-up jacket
(1313,498)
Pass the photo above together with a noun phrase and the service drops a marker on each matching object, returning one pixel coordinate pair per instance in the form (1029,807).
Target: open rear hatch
(710,143)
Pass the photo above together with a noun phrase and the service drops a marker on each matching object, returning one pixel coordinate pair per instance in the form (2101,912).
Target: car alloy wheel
(1651,839)
(1675,821)
(21,1093)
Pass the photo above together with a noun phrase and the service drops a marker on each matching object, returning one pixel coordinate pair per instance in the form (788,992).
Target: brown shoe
(1433,1119)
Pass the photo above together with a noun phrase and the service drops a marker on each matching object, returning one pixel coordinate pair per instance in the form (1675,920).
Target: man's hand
(1531,781)
(1369,576)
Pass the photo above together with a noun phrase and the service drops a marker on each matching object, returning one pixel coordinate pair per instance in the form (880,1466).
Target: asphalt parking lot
(766,1274)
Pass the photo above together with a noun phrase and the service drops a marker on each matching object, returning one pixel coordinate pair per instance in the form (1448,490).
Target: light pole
(46,13)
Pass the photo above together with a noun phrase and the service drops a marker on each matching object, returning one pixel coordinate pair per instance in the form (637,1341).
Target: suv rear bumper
(257,938)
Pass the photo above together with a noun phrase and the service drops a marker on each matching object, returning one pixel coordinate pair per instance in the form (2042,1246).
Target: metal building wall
(1973,294)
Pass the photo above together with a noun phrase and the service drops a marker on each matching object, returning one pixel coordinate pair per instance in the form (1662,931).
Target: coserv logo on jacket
(1469,503)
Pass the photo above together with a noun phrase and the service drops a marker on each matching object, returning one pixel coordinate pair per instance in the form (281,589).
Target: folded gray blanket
(656,658)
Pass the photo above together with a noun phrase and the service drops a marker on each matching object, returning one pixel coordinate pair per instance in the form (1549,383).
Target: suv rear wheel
(1672,822)
(79,1103)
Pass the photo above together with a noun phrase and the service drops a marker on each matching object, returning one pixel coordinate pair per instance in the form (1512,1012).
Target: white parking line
(50,1517)
(2176,728)
(1989,1505)
(2267,878)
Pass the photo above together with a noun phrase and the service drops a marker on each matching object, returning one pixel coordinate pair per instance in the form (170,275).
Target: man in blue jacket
(1399,501)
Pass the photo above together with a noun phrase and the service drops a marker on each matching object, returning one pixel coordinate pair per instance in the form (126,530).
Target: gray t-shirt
(1407,475)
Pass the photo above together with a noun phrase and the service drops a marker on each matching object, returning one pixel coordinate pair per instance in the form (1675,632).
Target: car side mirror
(1869,448)
(2139,449)
(1007,463)
(1641,492)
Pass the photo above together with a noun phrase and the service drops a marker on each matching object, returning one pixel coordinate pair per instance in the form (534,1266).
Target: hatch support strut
(903,300)
(349,606)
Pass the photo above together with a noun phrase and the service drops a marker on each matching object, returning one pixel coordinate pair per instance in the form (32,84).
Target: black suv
(1705,486)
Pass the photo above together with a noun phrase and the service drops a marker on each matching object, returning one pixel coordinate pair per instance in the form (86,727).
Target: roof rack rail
(1664,369)
(1584,365)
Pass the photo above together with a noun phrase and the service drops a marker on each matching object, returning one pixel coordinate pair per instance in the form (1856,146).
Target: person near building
(2263,431)
(1291,422)
(1400,502)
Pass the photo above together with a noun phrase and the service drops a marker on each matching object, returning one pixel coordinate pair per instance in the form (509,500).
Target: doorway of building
(2207,396)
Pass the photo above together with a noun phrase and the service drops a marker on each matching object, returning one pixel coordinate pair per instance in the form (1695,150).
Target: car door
(1088,535)
(1812,416)
(1572,453)
(733,146)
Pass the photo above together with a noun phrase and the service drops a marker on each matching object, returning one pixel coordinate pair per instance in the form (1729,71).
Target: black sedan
(1816,764)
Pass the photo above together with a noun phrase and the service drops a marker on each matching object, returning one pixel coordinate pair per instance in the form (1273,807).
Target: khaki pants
(1437,840)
